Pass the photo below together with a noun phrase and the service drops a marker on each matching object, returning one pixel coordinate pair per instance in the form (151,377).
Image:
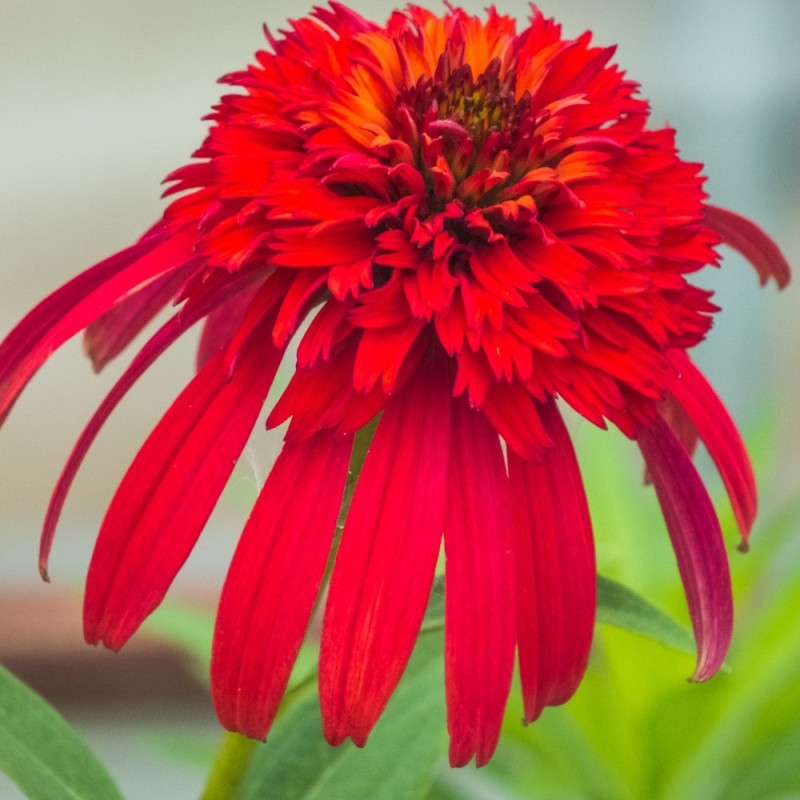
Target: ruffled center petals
(697,541)
(479,585)
(556,575)
(386,562)
(170,489)
(273,582)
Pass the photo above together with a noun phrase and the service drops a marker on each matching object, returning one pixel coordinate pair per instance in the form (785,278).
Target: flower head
(473,222)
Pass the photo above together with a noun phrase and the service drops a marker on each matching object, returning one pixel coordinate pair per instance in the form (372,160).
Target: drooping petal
(221,325)
(680,422)
(160,341)
(752,242)
(273,582)
(170,489)
(386,562)
(479,587)
(719,434)
(697,540)
(77,303)
(556,578)
(163,338)
(107,336)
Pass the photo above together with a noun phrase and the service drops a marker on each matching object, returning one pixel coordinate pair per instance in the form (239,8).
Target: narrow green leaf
(620,606)
(398,763)
(42,754)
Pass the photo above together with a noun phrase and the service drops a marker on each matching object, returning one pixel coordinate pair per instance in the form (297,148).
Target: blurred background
(100,100)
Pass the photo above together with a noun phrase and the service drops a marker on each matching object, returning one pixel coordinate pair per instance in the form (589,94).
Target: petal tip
(745,236)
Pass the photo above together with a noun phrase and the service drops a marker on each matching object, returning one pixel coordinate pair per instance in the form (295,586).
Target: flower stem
(229,767)
(363,439)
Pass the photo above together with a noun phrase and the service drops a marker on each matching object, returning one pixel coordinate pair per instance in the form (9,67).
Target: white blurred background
(100,100)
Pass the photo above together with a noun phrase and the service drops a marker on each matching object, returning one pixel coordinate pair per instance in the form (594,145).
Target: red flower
(475,222)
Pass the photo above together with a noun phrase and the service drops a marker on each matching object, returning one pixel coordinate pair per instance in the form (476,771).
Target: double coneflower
(468,223)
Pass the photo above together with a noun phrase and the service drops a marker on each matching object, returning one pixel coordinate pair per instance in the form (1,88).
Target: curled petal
(713,423)
(479,588)
(697,541)
(748,239)
(556,575)
(386,562)
(170,489)
(273,581)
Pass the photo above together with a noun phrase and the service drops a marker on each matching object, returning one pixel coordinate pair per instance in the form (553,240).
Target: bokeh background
(100,100)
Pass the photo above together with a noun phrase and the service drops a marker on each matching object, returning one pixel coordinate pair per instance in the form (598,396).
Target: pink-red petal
(556,575)
(695,395)
(697,541)
(752,242)
(479,587)
(273,582)
(386,562)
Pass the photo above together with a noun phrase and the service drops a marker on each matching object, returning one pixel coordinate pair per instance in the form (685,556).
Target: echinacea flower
(460,224)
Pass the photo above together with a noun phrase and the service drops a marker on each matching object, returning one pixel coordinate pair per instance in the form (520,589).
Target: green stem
(229,767)
(363,439)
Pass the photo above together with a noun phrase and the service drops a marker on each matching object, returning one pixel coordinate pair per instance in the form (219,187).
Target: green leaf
(42,754)
(398,763)
(620,606)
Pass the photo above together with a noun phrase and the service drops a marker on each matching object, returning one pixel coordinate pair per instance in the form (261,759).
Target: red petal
(170,490)
(165,336)
(272,291)
(323,396)
(72,307)
(752,242)
(697,540)
(479,588)
(387,559)
(719,434)
(273,582)
(556,578)
(107,336)
(682,426)
(162,339)
(381,353)
(515,416)
(221,326)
